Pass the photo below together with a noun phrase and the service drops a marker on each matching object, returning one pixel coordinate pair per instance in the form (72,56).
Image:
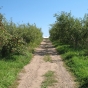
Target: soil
(34,71)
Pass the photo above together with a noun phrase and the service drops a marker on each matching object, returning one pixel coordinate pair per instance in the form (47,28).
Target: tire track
(33,76)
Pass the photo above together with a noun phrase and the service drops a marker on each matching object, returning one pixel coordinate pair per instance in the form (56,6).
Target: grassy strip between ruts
(47,58)
(49,79)
(9,68)
(77,60)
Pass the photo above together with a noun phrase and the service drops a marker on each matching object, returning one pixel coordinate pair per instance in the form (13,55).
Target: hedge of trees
(14,38)
(70,30)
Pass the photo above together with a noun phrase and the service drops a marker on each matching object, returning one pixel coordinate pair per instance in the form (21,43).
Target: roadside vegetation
(49,79)
(17,43)
(70,37)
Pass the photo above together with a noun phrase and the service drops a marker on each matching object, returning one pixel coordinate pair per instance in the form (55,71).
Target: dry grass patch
(47,58)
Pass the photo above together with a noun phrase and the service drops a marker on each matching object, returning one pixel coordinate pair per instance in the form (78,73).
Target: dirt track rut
(33,76)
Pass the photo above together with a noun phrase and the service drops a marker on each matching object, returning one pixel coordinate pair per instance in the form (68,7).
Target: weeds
(77,60)
(49,80)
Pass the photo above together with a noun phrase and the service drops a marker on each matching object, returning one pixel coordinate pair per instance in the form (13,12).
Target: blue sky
(41,12)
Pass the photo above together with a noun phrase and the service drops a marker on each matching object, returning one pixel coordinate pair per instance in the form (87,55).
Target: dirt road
(33,76)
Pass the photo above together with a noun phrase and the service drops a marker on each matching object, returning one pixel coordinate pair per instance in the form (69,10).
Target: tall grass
(76,60)
(9,68)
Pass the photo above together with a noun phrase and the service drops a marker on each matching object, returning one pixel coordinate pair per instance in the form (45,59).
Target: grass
(9,68)
(49,80)
(47,58)
(76,60)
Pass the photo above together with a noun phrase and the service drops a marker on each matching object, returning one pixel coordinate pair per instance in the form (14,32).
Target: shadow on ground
(46,48)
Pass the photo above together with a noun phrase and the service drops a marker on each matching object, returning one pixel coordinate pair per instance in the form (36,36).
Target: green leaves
(70,30)
(14,38)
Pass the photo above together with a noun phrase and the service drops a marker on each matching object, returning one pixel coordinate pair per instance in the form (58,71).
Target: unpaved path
(33,76)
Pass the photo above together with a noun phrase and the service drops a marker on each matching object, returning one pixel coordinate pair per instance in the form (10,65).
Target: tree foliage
(70,30)
(14,38)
